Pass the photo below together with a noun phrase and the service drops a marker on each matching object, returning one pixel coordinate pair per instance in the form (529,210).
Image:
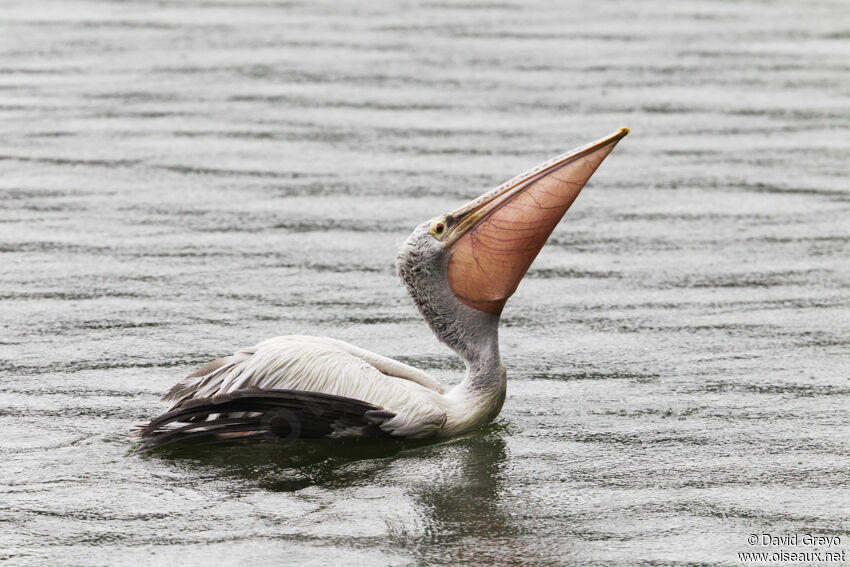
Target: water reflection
(443,502)
(291,466)
(462,513)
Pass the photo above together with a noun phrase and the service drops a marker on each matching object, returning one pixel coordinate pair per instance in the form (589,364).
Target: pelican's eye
(438,228)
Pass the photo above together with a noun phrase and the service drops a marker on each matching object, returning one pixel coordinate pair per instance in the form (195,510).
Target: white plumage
(330,366)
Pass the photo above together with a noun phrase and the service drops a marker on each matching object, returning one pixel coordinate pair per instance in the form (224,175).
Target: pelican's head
(461,267)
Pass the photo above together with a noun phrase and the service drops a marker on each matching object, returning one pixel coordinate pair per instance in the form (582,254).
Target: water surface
(182,179)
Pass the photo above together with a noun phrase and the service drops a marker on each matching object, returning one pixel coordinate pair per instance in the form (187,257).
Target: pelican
(459,268)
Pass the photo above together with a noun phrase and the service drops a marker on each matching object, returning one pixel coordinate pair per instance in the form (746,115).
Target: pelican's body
(421,405)
(459,269)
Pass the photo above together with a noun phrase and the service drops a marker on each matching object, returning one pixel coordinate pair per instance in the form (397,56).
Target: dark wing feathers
(263,415)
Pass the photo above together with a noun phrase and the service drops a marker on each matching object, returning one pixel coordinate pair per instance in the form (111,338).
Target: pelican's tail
(263,415)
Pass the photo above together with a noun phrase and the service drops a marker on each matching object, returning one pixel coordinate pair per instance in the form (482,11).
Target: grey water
(180,179)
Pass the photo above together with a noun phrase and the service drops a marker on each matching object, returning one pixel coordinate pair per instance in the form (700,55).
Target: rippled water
(181,179)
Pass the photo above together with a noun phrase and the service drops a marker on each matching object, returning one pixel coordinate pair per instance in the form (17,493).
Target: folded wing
(306,368)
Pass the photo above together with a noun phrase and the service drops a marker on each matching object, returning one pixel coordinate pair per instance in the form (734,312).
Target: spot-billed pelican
(459,269)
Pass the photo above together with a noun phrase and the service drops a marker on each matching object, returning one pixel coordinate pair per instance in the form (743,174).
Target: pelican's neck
(482,392)
(484,369)
(473,335)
